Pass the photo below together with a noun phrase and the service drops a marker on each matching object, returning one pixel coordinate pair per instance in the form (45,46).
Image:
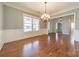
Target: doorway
(48,27)
(59,27)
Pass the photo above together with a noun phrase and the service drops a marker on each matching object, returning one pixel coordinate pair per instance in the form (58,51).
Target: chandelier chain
(45,6)
(45,16)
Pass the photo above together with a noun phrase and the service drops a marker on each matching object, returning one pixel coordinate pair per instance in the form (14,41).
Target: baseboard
(62,33)
(52,33)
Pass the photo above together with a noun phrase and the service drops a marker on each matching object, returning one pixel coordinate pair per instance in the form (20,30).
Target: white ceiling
(38,7)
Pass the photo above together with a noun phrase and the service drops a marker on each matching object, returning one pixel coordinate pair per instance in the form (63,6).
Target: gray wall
(77,20)
(76,11)
(1,25)
(1,16)
(65,24)
(43,24)
(13,19)
(53,25)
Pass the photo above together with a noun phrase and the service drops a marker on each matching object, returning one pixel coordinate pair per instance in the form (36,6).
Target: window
(27,24)
(35,24)
(31,24)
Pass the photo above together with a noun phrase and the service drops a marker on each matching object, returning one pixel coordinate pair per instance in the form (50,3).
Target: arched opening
(59,27)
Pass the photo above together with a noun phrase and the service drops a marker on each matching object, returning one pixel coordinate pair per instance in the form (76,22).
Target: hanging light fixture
(45,16)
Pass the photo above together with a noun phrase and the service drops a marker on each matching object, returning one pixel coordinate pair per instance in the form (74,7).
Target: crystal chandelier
(45,16)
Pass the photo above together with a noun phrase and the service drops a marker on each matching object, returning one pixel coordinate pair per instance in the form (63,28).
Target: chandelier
(45,16)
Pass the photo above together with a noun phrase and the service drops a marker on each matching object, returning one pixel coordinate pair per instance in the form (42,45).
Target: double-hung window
(31,24)
(35,25)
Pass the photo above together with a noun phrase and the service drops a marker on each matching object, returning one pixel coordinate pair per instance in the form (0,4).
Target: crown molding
(53,15)
(63,15)
(21,9)
(57,14)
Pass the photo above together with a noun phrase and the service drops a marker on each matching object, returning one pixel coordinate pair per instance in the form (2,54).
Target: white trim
(63,15)
(17,34)
(1,46)
(76,35)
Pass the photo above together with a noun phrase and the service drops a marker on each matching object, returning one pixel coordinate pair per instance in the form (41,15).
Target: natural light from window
(31,24)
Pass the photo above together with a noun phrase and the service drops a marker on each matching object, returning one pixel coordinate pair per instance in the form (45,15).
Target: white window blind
(31,24)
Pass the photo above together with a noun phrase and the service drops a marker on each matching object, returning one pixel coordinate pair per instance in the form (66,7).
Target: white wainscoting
(76,35)
(17,34)
(1,39)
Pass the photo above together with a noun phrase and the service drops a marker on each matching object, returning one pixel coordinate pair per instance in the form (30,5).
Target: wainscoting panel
(17,34)
(1,39)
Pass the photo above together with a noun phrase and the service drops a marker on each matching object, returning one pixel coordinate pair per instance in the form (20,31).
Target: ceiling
(38,7)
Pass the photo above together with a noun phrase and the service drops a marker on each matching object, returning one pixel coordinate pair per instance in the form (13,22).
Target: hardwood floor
(56,45)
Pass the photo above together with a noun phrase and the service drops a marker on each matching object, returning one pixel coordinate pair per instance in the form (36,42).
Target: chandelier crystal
(45,16)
